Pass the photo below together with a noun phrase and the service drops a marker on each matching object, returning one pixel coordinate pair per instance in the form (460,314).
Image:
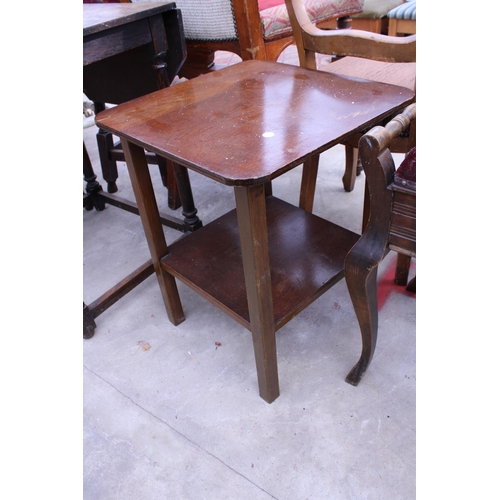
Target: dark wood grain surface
(276,115)
(245,125)
(306,255)
(103,16)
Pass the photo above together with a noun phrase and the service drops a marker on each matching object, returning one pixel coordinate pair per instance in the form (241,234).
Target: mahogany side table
(244,126)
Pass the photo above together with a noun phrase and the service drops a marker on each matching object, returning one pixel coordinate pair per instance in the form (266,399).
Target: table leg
(159,37)
(105,144)
(189,210)
(148,210)
(351,166)
(93,187)
(89,325)
(308,185)
(252,224)
(167,174)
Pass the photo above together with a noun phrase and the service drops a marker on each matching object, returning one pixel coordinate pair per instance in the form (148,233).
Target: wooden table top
(99,17)
(253,121)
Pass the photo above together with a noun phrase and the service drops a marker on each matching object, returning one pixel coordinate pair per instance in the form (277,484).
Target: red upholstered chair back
(266,4)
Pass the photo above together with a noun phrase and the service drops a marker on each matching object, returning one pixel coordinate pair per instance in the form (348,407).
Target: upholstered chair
(374,16)
(358,54)
(403,19)
(252,29)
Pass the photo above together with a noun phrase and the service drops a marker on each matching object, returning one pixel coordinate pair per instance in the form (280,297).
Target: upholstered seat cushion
(408,11)
(406,174)
(376,9)
(275,20)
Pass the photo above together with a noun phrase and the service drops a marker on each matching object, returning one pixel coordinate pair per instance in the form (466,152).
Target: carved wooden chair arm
(357,43)
(379,167)
(392,225)
(379,138)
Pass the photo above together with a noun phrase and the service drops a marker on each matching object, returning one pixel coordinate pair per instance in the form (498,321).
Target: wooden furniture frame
(399,26)
(402,27)
(128,51)
(96,198)
(374,16)
(355,44)
(267,260)
(250,42)
(391,226)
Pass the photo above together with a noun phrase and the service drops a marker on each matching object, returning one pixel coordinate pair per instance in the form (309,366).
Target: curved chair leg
(412,285)
(361,280)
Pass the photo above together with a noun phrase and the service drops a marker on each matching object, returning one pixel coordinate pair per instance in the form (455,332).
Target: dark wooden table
(130,50)
(244,126)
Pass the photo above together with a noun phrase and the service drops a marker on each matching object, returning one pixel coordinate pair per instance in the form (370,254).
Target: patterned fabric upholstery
(406,11)
(376,9)
(275,21)
(213,20)
(267,4)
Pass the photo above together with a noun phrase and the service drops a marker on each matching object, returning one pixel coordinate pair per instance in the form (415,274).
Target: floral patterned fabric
(275,20)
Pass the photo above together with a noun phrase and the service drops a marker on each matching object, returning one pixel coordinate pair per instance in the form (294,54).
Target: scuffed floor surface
(174,412)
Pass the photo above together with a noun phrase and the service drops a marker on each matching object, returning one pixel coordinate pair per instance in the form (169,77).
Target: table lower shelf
(306,256)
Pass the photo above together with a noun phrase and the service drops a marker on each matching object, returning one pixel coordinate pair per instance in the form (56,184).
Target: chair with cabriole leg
(391,225)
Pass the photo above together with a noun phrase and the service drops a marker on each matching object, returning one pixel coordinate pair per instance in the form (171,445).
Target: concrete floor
(169,414)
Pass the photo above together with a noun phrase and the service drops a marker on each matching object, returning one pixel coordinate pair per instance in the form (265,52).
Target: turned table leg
(93,188)
(252,224)
(189,211)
